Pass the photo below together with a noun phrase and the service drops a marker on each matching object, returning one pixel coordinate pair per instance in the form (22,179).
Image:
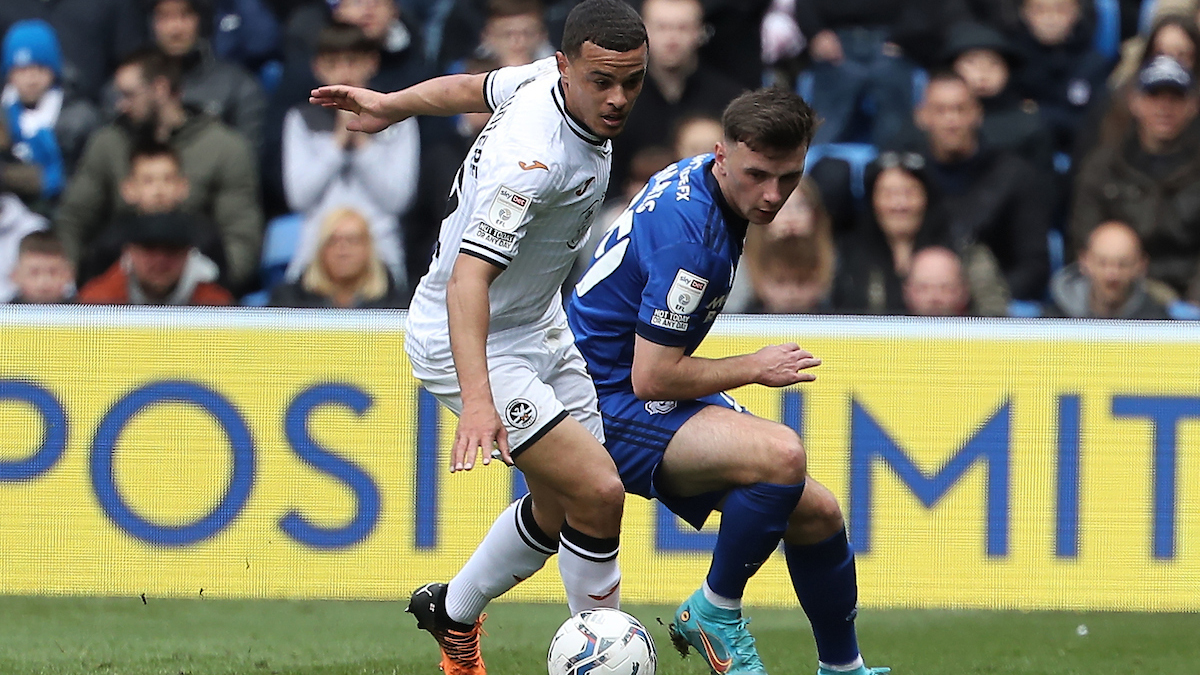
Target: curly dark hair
(609,24)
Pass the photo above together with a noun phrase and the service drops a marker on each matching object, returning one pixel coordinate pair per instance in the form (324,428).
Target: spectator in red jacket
(159,266)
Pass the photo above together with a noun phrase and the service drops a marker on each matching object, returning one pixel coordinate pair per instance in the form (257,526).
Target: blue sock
(827,587)
(753,521)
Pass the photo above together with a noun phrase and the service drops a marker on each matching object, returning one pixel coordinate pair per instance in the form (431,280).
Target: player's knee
(600,501)
(787,460)
(819,515)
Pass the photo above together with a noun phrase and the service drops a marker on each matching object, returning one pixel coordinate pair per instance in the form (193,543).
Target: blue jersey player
(659,278)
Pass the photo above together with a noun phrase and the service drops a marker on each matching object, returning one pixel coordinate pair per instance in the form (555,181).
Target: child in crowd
(985,59)
(154,185)
(43,274)
(1061,72)
(32,100)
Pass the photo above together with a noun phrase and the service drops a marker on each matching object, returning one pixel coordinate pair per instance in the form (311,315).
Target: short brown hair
(153,64)
(152,149)
(341,38)
(769,119)
(44,242)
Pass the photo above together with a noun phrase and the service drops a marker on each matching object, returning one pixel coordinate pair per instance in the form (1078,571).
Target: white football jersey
(523,200)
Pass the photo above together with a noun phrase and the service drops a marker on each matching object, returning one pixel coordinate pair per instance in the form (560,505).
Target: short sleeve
(509,200)
(500,84)
(681,282)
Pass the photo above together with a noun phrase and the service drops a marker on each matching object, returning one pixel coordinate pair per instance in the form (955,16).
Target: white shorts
(538,377)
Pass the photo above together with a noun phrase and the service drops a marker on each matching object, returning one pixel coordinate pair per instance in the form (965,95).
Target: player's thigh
(571,462)
(719,448)
(527,406)
(567,374)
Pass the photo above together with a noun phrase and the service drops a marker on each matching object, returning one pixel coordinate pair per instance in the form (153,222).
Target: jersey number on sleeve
(608,259)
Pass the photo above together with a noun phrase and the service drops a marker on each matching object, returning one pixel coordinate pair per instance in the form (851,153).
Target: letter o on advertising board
(54,438)
(104,446)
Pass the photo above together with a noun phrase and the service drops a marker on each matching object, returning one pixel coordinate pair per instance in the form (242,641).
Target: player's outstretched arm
(441,96)
(468,311)
(662,373)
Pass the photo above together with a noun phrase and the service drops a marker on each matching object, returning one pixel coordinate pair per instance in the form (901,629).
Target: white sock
(589,570)
(720,600)
(849,667)
(511,552)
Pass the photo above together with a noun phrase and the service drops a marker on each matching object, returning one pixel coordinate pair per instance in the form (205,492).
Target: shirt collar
(736,224)
(579,128)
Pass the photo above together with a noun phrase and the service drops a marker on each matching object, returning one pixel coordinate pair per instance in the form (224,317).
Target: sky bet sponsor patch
(508,209)
(685,293)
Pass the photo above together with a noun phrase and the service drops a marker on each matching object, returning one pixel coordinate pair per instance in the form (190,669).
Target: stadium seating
(857,155)
(279,245)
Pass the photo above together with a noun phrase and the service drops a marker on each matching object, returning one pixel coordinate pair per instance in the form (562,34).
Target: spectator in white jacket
(327,167)
(16,221)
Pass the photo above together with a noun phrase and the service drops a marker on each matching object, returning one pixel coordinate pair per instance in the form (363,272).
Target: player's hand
(367,106)
(781,365)
(479,431)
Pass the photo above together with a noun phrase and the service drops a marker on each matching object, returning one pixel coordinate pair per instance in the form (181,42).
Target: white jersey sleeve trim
(500,84)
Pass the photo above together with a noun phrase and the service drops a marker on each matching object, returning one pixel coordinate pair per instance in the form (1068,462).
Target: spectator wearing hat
(1108,281)
(159,266)
(223,90)
(32,100)
(1151,180)
(985,59)
(217,161)
(95,36)
(1060,71)
(155,184)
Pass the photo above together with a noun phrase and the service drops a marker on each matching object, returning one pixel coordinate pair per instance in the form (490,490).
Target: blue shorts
(637,435)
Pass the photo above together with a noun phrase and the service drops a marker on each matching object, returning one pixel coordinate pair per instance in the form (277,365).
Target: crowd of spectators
(975,157)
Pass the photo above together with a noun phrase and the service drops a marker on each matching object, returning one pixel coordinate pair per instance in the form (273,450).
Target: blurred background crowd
(975,157)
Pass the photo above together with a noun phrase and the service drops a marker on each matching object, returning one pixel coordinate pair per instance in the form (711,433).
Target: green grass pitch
(195,637)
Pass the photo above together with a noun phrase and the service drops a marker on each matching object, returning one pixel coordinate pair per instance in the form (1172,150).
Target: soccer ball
(602,642)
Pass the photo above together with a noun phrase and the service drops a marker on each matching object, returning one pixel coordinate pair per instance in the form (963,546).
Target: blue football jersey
(662,271)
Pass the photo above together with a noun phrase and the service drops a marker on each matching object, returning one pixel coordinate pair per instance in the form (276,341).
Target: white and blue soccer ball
(602,642)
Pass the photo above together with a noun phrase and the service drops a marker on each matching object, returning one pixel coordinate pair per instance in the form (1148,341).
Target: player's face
(757,184)
(601,86)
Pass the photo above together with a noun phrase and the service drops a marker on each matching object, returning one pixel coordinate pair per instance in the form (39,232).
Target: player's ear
(719,151)
(561,59)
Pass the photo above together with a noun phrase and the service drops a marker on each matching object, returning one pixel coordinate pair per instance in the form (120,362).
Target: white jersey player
(531,185)
(487,334)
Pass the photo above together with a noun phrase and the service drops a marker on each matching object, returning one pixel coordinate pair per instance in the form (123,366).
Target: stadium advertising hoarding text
(263,454)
